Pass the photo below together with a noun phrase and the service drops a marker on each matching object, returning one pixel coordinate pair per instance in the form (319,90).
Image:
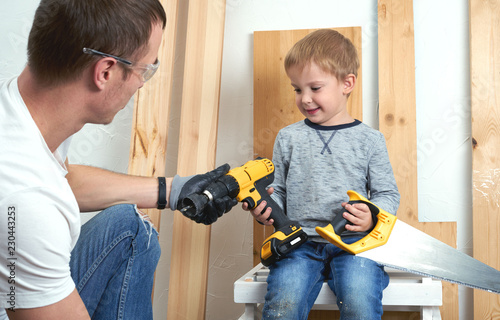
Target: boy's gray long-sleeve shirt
(316,165)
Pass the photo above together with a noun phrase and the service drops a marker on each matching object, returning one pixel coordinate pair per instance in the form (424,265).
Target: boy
(316,161)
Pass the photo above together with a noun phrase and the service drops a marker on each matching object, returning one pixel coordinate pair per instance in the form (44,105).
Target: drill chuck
(196,202)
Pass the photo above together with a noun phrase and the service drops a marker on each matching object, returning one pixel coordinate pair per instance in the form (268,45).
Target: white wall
(443,125)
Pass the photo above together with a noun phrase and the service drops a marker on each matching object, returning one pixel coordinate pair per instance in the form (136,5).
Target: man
(86,59)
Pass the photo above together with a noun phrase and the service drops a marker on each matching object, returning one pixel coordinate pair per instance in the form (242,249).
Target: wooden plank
(397,120)
(197,148)
(274,99)
(485,105)
(151,110)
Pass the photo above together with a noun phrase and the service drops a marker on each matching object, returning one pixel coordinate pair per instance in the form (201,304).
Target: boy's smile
(312,111)
(320,96)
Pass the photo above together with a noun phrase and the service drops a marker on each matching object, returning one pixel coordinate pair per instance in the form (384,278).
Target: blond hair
(327,48)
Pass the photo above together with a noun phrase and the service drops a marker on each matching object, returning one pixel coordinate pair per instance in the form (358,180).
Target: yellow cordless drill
(248,184)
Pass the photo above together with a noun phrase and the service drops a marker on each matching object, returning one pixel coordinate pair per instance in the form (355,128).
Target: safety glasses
(146,71)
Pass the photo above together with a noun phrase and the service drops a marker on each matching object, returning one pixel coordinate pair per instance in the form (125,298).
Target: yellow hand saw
(398,245)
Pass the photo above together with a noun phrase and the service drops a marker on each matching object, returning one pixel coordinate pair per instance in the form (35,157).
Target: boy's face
(320,96)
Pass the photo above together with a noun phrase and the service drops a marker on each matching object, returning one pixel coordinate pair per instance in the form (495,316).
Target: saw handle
(339,222)
(378,236)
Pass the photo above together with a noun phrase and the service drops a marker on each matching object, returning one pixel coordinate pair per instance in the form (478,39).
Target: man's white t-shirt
(39,215)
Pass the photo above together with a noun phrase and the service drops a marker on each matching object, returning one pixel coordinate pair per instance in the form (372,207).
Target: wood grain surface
(485,105)
(151,111)
(197,148)
(397,121)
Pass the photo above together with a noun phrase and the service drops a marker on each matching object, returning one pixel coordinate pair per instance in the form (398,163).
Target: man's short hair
(62,28)
(329,49)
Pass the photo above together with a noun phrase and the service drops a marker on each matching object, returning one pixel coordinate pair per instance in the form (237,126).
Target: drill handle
(277,214)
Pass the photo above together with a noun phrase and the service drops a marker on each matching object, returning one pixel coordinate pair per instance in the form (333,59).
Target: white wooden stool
(406,292)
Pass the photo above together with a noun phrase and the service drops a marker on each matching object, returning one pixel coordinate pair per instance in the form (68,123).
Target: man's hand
(359,215)
(185,186)
(258,214)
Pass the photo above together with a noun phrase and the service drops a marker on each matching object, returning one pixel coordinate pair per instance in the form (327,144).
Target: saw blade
(412,250)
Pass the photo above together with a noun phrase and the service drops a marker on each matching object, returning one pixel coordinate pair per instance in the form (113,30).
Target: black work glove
(185,186)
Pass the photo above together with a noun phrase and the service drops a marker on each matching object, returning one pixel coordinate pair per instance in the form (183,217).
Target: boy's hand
(359,215)
(257,213)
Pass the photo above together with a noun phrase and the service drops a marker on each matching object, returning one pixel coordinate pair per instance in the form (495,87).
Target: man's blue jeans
(113,264)
(295,282)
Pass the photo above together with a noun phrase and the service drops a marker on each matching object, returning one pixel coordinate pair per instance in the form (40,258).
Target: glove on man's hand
(185,186)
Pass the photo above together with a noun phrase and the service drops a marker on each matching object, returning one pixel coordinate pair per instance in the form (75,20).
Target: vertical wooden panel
(485,100)
(274,99)
(197,147)
(151,111)
(397,120)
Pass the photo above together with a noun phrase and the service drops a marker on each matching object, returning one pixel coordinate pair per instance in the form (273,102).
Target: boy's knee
(286,308)
(360,302)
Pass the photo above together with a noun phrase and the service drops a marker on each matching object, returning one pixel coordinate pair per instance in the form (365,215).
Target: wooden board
(397,121)
(197,147)
(151,110)
(274,99)
(485,105)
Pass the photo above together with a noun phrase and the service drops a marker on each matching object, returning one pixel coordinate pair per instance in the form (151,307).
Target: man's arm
(96,189)
(71,307)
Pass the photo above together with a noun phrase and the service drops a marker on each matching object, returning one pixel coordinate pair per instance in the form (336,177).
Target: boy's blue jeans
(295,282)
(113,264)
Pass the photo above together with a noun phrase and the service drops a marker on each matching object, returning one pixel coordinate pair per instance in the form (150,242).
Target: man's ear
(103,70)
(349,82)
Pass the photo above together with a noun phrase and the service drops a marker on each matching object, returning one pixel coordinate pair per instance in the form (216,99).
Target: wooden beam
(151,110)
(197,149)
(485,106)
(397,121)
